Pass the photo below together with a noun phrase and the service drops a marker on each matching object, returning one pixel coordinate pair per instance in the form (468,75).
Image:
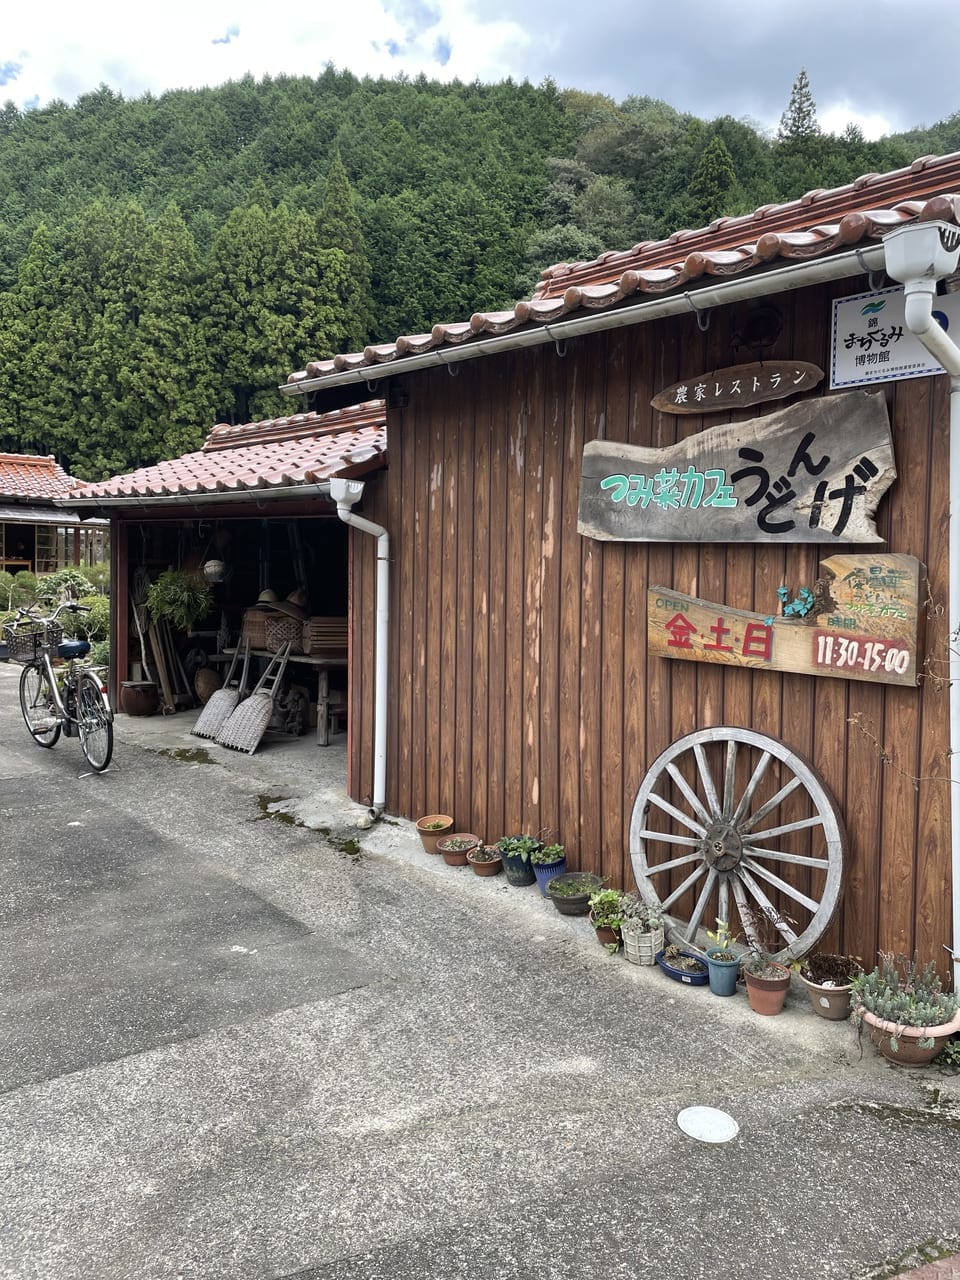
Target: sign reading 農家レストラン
(870,341)
(865,625)
(811,473)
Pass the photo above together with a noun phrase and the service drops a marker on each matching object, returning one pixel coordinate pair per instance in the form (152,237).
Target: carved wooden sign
(813,472)
(864,625)
(738,387)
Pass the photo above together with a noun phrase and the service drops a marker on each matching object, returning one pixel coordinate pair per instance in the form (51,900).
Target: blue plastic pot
(722,974)
(546,871)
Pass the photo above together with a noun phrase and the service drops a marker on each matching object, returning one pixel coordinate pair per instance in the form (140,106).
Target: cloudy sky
(887,65)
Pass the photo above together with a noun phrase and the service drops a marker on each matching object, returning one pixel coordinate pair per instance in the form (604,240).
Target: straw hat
(294,606)
(267,599)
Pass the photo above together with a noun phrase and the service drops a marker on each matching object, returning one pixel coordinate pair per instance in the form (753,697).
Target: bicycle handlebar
(71,605)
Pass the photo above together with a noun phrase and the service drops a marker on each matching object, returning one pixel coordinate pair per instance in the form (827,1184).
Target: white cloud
(836,118)
(182,45)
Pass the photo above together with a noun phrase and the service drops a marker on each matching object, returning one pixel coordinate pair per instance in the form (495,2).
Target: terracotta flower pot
(606,935)
(430,833)
(454,848)
(768,993)
(485,867)
(908,1052)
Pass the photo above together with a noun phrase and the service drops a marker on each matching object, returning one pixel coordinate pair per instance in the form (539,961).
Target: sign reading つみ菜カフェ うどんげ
(813,472)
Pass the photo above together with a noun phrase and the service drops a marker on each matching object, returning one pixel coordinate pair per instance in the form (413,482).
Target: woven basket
(25,639)
(279,629)
(206,682)
(641,948)
(254,628)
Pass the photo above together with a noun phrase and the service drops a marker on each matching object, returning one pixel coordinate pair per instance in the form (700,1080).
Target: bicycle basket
(25,639)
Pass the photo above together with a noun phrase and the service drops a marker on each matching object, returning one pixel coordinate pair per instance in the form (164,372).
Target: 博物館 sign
(813,472)
(870,341)
(864,625)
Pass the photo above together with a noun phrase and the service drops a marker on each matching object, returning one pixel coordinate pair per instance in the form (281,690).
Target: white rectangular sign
(870,341)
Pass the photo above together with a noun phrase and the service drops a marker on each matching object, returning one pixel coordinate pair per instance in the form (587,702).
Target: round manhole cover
(707,1124)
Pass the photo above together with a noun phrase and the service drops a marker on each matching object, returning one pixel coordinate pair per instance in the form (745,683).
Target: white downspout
(345,493)
(919,255)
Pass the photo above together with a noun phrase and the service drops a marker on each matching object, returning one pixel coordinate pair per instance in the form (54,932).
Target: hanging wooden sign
(813,472)
(738,387)
(864,625)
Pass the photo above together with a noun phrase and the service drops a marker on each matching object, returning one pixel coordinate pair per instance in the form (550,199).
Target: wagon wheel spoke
(778,855)
(669,838)
(706,777)
(751,787)
(712,790)
(661,867)
(689,795)
(690,881)
(778,883)
(674,812)
(693,924)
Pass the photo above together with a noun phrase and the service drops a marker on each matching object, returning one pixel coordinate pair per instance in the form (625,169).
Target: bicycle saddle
(73,649)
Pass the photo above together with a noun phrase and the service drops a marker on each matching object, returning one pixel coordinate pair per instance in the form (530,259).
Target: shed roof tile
(304,449)
(28,476)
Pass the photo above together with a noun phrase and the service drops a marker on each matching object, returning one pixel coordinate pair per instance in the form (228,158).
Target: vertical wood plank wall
(521,693)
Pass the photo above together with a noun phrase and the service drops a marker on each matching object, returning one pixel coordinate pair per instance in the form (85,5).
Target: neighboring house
(36,535)
(524,690)
(255,499)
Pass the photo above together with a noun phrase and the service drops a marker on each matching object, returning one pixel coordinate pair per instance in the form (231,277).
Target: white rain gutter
(108,502)
(345,493)
(919,255)
(755,284)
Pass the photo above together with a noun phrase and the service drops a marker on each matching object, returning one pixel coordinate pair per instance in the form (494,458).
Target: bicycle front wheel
(38,704)
(94,723)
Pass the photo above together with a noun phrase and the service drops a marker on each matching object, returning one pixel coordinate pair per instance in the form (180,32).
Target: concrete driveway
(236,1047)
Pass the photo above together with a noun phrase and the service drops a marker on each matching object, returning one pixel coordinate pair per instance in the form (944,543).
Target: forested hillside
(164,262)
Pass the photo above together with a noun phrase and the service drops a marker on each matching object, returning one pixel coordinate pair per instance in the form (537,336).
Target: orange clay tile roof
(276,453)
(26,476)
(812,227)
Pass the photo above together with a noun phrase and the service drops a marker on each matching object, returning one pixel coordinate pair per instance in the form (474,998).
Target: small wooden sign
(738,387)
(813,472)
(866,625)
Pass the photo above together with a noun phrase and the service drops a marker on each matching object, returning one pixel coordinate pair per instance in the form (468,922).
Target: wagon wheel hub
(722,847)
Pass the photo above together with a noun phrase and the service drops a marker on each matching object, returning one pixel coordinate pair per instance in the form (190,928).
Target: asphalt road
(229,1049)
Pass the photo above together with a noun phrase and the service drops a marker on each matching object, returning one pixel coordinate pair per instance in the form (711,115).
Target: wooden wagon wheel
(718,794)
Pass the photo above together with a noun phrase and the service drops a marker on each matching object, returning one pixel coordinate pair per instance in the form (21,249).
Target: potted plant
(641,928)
(768,981)
(456,847)
(485,860)
(431,827)
(909,1015)
(723,960)
(606,913)
(570,892)
(179,596)
(516,852)
(828,979)
(548,861)
(683,966)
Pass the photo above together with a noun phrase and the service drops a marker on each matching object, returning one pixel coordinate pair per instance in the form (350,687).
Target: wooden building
(35,534)
(523,694)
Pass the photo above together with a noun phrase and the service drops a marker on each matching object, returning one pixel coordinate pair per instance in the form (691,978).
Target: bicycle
(73,699)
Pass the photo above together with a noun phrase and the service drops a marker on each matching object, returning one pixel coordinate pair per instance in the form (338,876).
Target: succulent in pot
(641,929)
(723,959)
(485,860)
(570,892)
(767,978)
(909,1016)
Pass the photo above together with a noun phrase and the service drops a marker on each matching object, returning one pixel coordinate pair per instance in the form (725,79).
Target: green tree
(340,229)
(799,122)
